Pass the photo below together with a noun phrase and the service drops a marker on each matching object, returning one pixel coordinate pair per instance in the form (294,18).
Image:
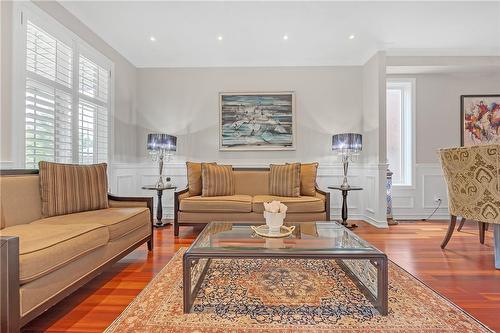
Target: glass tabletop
(330,237)
(154,187)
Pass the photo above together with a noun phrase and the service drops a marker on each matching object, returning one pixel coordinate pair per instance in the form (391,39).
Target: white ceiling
(186,32)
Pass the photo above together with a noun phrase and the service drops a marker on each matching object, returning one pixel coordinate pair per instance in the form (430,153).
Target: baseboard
(376,223)
(419,217)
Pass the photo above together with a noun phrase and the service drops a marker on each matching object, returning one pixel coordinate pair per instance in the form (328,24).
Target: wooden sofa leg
(482,229)
(451,228)
(150,244)
(176,229)
(462,222)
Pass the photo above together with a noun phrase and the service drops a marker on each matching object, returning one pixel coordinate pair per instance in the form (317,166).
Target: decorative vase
(274,221)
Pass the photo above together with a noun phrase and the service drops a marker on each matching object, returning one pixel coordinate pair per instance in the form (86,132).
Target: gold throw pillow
(217,180)
(308,174)
(284,180)
(194,178)
(70,188)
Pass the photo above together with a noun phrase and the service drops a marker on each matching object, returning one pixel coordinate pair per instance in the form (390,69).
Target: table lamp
(347,145)
(160,147)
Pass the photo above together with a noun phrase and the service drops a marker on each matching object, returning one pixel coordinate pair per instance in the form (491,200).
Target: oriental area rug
(286,295)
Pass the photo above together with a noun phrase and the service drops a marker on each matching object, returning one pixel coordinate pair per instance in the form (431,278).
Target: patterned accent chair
(472,175)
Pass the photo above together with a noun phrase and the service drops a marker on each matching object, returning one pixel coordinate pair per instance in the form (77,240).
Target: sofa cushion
(68,188)
(45,248)
(19,199)
(217,180)
(238,203)
(304,204)
(120,221)
(284,180)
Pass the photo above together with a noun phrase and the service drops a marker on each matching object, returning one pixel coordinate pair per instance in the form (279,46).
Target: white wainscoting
(126,179)
(419,201)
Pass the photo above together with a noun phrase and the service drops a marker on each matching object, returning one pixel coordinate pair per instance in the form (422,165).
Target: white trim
(418,203)
(18,83)
(374,222)
(408,88)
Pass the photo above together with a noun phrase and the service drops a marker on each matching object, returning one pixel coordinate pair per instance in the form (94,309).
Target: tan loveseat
(45,259)
(251,191)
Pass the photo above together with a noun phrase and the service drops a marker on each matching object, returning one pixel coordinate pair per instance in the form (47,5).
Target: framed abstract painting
(480,119)
(257,121)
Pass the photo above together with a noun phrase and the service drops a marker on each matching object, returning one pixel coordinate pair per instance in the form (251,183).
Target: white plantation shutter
(48,57)
(48,124)
(93,111)
(66,106)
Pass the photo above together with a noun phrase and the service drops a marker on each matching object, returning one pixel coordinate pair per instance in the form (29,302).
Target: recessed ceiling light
(152,38)
(352,36)
(219,37)
(285,37)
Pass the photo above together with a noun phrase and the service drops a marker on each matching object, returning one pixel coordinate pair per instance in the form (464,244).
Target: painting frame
(250,147)
(463,114)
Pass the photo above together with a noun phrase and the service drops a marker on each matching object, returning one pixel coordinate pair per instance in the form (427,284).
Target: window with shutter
(66,106)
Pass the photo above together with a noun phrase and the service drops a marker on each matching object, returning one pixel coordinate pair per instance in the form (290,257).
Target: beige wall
(438,107)
(124,89)
(184,102)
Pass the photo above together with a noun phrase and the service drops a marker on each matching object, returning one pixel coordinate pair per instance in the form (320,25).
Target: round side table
(345,191)
(159,209)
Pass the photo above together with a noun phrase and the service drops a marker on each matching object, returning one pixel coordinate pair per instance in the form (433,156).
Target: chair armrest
(9,284)
(326,197)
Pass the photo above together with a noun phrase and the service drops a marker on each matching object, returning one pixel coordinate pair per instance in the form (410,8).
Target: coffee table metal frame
(194,255)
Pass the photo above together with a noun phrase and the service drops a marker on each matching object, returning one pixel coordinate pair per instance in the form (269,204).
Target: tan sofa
(45,259)
(251,191)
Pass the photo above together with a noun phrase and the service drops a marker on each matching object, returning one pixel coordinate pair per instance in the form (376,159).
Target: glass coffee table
(364,264)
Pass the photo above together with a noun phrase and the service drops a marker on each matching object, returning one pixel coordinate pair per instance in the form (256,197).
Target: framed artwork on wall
(257,121)
(480,119)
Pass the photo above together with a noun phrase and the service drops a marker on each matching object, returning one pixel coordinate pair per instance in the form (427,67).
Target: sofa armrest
(116,201)
(9,284)
(184,193)
(326,197)
(178,196)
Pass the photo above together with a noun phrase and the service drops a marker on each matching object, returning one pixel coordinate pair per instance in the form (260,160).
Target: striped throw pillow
(284,180)
(69,188)
(217,180)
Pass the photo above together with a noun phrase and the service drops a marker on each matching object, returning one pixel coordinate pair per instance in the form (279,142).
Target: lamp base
(348,225)
(345,184)
(160,183)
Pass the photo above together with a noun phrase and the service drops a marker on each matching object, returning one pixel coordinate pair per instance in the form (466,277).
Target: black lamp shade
(158,141)
(347,142)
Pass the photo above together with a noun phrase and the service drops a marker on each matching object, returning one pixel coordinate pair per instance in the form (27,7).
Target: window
(400,151)
(67,97)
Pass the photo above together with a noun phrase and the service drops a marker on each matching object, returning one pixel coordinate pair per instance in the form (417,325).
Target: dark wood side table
(159,209)
(345,191)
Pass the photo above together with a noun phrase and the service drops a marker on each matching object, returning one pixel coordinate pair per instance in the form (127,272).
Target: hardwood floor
(464,272)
